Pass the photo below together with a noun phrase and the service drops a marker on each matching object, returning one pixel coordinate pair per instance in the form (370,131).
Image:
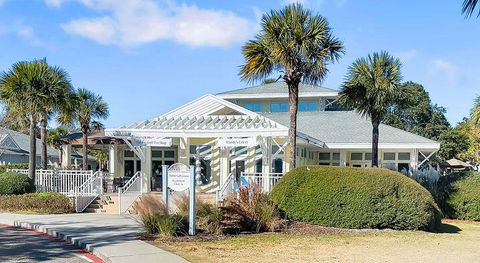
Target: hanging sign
(164,142)
(236,142)
(178,177)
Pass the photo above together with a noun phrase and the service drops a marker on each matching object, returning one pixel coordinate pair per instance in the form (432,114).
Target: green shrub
(356,198)
(15,183)
(3,168)
(43,203)
(463,196)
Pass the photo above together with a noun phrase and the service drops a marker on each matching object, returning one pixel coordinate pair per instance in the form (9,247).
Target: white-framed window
(329,158)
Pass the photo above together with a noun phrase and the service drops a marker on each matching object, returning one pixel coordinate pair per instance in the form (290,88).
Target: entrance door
(239,168)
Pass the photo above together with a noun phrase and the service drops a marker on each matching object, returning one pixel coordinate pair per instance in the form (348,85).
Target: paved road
(20,245)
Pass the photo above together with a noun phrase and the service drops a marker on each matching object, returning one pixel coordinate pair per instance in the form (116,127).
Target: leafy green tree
(86,110)
(371,88)
(297,44)
(414,112)
(453,142)
(475,113)
(56,133)
(21,91)
(102,158)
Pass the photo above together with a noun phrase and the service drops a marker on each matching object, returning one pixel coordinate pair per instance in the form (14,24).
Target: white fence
(59,181)
(83,186)
(129,193)
(226,189)
(264,181)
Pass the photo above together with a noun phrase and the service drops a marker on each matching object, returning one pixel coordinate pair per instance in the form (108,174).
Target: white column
(66,155)
(266,162)
(114,161)
(147,169)
(184,151)
(343,158)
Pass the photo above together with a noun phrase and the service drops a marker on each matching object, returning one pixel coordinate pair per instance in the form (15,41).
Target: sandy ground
(459,242)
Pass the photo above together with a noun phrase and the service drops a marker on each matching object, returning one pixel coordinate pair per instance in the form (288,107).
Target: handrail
(88,191)
(129,192)
(228,185)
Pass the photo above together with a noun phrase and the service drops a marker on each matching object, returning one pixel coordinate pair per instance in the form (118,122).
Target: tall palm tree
(371,88)
(56,94)
(297,44)
(469,7)
(20,90)
(86,111)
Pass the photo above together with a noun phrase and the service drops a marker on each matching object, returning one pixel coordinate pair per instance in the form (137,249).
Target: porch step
(105,204)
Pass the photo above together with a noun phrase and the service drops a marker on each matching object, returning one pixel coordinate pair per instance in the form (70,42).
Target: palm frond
(468,7)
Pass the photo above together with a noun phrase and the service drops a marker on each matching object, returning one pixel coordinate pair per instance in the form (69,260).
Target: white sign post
(180,177)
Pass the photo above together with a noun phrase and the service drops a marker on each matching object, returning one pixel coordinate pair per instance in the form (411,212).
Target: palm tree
(86,111)
(20,90)
(298,45)
(371,88)
(469,7)
(56,94)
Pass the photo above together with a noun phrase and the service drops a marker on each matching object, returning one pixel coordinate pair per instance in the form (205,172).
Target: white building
(245,132)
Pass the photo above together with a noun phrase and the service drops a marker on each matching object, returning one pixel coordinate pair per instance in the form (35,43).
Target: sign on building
(236,142)
(163,142)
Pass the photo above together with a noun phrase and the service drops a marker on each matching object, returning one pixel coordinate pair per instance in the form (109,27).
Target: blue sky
(146,57)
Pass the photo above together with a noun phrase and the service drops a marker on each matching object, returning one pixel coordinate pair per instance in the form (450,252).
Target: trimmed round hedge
(463,200)
(356,198)
(15,184)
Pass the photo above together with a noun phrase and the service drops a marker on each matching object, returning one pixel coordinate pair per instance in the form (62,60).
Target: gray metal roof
(23,142)
(345,127)
(277,87)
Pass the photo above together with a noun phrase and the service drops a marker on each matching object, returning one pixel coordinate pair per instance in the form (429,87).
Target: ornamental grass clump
(208,216)
(356,198)
(155,217)
(252,210)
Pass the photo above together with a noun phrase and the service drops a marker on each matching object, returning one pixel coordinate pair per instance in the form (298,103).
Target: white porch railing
(226,188)
(266,182)
(59,181)
(129,192)
(88,191)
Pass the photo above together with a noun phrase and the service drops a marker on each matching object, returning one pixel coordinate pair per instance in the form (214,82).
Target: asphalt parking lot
(20,245)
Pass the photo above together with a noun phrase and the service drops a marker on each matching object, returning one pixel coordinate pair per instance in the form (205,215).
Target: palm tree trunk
(84,149)
(32,154)
(43,137)
(292,131)
(375,135)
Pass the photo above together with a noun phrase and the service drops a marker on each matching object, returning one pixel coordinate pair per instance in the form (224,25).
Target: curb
(75,241)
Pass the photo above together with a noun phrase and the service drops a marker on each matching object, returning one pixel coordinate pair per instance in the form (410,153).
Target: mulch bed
(292,227)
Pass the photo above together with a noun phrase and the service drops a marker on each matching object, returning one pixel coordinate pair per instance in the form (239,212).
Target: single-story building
(245,132)
(15,148)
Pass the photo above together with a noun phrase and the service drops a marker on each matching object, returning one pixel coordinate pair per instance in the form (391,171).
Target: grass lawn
(459,242)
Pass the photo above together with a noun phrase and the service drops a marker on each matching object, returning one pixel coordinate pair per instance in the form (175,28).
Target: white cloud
(407,55)
(445,69)
(136,22)
(27,33)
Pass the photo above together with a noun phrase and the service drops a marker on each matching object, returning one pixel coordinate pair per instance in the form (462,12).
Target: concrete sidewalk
(112,238)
